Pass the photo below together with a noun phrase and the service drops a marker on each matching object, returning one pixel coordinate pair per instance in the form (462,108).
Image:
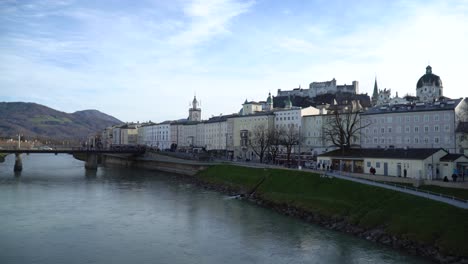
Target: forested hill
(38,121)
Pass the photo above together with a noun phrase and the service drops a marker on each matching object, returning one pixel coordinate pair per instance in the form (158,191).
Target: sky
(146,60)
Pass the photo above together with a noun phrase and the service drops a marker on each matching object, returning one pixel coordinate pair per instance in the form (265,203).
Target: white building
(420,125)
(126,134)
(312,133)
(292,117)
(411,163)
(216,133)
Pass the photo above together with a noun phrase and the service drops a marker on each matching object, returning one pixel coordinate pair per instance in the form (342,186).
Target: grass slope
(416,218)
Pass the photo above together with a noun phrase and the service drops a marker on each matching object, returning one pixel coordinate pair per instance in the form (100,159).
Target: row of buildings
(431,121)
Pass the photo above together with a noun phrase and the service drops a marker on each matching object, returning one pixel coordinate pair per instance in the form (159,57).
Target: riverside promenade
(409,190)
(387,182)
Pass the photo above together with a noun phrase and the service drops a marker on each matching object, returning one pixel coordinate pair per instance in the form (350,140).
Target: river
(55,212)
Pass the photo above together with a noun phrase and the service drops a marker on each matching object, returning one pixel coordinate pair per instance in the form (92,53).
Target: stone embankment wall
(158,162)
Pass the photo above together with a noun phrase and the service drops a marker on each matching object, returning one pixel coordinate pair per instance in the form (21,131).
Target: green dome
(269,99)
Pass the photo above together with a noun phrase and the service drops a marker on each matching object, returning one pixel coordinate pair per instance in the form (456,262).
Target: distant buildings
(320,88)
(427,121)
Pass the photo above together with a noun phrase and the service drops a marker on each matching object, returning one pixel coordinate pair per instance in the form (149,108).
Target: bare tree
(289,139)
(258,142)
(275,136)
(343,126)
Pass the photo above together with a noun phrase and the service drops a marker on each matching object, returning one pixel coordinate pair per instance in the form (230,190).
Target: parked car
(45,148)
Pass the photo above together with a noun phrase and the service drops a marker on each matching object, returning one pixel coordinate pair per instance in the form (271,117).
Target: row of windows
(408,118)
(289,125)
(416,140)
(288,118)
(286,113)
(315,142)
(416,129)
(315,134)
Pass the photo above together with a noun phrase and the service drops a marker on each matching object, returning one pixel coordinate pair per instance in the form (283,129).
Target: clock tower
(195,111)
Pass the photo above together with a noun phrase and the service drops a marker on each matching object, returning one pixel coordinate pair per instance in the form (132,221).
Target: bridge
(91,155)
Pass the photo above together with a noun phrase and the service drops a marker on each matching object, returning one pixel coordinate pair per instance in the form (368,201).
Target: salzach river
(55,212)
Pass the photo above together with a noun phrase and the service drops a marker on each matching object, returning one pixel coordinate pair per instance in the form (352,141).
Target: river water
(55,212)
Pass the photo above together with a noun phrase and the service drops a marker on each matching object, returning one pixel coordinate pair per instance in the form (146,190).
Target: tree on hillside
(289,139)
(275,136)
(343,126)
(258,141)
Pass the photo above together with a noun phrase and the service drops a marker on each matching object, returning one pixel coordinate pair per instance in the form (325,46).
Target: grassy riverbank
(2,157)
(408,216)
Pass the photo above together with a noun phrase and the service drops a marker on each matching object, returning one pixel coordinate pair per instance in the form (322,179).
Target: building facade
(420,125)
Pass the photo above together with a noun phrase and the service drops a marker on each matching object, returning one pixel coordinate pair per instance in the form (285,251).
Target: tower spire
(375,94)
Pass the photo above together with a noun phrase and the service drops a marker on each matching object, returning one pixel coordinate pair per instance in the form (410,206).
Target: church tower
(269,103)
(429,87)
(375,94)
(195,111)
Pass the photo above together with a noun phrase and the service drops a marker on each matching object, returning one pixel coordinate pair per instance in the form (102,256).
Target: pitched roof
(451,157)
(413,154)
(418,107)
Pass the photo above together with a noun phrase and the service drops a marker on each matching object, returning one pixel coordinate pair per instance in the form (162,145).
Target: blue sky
(145,60)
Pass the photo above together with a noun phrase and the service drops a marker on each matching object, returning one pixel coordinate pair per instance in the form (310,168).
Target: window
(436,118)
(399,119)
(447,117)
(436,140)
(389,129)
(376,140)
(398,129)
(377,164)
(416,118)
(416,129)
(426,129)
(436,128)
(375,130)
(389,119)
(416,140)
(369,164)
(398,140)
(426,118)
(389,140)
(382,130)
(447,128)
(426,140)
(382,140)
(407,119)
(407,129)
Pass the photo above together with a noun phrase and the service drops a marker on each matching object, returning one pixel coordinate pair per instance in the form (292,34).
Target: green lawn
(456,192)
(418,218)
(459,193)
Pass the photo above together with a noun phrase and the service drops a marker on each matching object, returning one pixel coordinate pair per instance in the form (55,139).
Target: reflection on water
(57,212)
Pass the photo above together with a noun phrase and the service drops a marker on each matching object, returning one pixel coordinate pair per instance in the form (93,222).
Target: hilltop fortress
(319,88)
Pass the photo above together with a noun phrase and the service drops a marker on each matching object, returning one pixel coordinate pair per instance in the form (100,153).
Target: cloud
(145,60)
(208,18)
(297,45)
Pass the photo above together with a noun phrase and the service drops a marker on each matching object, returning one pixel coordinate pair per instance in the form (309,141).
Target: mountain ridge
(39,121)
